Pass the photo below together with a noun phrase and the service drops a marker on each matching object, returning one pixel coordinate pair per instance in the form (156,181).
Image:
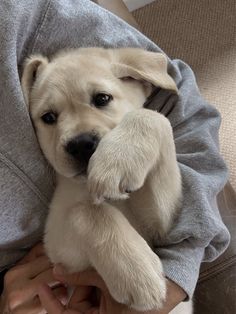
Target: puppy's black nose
(82,147)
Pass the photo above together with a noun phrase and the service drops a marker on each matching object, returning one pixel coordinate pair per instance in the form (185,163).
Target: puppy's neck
(79,181)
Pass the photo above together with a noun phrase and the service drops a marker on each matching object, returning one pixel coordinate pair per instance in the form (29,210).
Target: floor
(203,34)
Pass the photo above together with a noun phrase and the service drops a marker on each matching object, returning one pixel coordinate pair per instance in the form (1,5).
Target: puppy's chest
(69,195)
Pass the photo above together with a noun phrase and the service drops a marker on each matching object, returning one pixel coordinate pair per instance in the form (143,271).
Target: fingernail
(59,270)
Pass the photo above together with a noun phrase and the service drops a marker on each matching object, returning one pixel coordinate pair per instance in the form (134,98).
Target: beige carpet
(202,33)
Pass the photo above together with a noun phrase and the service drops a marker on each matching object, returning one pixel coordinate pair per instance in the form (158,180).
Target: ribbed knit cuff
(181,263)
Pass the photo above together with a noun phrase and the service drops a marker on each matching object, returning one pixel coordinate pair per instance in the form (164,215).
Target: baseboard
(136,4)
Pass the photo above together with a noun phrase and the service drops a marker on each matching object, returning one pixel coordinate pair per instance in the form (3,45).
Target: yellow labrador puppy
(118,181)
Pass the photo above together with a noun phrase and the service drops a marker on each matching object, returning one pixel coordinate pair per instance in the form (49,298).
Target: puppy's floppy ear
(33,67)
(143,65)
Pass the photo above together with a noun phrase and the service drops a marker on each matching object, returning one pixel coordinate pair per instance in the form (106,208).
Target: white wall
(136,4)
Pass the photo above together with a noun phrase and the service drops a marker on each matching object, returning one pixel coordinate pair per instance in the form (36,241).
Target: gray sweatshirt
(26,182)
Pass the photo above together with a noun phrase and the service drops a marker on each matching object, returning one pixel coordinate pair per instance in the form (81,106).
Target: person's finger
(51,304)
(47,277)
(61,294)
(86,278)
(80,294)
(26,293)
(36,251)
(26,271)
(80,299)
(83,306)
(93,311)
(33,307)
(30,270)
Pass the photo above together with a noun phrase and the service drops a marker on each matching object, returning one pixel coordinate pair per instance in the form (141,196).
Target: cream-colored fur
(94,220)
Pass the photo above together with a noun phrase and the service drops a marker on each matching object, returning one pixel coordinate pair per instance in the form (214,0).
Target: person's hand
(22,281)
(85,300)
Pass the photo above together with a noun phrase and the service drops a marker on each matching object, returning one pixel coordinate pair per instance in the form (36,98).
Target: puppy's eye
(49,117)
(101,99)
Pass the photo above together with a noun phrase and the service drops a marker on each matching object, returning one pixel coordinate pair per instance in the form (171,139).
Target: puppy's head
(79,95)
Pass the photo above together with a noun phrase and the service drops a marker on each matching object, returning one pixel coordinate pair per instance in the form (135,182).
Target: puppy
(118,181)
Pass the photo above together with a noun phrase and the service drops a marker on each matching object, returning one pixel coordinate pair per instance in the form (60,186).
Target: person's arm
(198,233)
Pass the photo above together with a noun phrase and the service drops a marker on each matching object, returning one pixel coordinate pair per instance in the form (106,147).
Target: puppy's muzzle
(82,147)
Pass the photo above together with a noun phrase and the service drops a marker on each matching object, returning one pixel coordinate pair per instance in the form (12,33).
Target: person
(45,26)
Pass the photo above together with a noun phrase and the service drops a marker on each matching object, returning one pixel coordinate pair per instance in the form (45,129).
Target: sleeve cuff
(181,263)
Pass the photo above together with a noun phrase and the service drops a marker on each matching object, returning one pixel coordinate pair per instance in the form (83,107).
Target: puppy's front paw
(116,169)
(143,287)
(110,178)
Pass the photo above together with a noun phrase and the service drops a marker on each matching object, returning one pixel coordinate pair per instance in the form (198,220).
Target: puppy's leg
(155,204)
(139,150)
(132,272)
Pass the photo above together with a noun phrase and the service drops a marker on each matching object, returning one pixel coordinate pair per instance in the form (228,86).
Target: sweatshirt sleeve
(199,233)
